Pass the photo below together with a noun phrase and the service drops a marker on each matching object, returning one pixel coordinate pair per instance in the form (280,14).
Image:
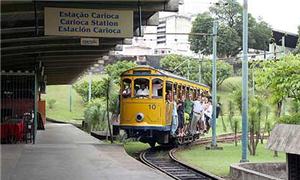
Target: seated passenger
(155,87)
(143,91)
(127,91)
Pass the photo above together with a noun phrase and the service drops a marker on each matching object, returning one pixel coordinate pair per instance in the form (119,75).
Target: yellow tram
(146,110)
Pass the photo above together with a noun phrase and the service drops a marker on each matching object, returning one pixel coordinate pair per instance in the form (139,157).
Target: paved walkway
(64,152)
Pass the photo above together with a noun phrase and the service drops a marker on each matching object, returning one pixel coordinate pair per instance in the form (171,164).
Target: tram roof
(166,73)
(63,57)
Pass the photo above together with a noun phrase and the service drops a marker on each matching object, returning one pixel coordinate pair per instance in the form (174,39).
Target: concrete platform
(64,152)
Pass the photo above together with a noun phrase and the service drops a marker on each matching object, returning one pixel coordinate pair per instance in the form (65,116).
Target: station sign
(88,22)
(89,41)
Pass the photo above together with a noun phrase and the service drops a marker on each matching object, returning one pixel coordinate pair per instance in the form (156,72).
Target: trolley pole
(245,84)
(214,84)
(90,86)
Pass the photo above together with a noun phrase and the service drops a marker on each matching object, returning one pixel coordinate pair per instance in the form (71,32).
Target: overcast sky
(280,14)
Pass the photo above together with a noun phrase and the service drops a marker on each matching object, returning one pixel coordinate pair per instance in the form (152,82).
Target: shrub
(51,103)
(293,119)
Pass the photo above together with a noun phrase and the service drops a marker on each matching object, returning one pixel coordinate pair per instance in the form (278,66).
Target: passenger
(207,115)
(188,111)
(219,111)
(203,124)
(155,87)
(143,91)
(197,114)
(169,97)
(127,91)
(180,112)
(174,117)
(188,105)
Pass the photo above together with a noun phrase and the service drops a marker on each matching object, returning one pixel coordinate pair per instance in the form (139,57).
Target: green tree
(116,69)
(255,117)
(229,31)
(224,71)
(170,62)
(94,115)
(281,78)
(82,88)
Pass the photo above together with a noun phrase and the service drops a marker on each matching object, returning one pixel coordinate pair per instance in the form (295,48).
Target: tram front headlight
(139,117)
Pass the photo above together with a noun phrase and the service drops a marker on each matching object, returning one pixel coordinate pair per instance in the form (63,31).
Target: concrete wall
(258,171)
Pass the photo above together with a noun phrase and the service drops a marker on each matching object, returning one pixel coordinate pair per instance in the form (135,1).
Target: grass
(134,148)
(218,161)
(61,108)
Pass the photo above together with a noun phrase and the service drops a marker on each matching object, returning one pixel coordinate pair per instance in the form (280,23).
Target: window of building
(161,42)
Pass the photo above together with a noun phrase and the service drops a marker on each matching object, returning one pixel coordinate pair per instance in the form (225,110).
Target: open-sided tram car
(149,117)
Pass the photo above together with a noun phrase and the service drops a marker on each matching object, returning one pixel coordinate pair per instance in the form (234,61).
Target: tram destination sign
(88,22)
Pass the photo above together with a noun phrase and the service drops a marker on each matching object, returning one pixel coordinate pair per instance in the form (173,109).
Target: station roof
(285,138)
(23,43)
(291,39)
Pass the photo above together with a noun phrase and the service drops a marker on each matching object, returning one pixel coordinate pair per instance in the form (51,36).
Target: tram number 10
(152,106)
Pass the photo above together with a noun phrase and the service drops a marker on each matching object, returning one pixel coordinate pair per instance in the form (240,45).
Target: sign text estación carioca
(88,22)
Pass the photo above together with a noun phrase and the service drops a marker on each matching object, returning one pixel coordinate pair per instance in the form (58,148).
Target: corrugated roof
(23,43)
(285,138)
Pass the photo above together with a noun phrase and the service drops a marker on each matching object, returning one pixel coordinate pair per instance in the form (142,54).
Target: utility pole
(283,51)
(70,98)
(199,70)
(214,85)
(188,71)
(253,78)
(245,84)
(90,86)
(200,66)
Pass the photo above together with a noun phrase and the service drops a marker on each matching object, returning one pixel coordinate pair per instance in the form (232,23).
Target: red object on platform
(12,130)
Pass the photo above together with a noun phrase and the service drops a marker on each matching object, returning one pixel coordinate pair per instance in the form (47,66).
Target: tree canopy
(170,62)
(99,86)
(230,30)
(116,69)
(281,77)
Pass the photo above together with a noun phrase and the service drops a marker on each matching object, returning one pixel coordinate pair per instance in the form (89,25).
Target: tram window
(176,89)
(141,87)
(157,88)
(169,90)
(126,91)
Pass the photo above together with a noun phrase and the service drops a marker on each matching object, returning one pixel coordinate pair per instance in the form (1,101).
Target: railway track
(162,158)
